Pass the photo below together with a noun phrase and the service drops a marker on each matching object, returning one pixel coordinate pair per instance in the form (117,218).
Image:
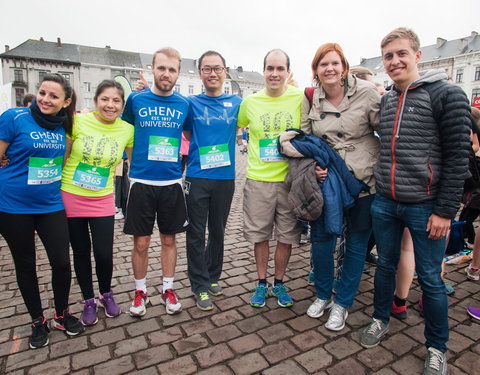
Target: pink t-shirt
(80,206)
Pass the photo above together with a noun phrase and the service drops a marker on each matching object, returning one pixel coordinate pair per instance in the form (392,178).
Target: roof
(78,54)
(441,50)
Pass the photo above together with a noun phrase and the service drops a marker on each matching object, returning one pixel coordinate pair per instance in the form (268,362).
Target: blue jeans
(389,220)
(323,264)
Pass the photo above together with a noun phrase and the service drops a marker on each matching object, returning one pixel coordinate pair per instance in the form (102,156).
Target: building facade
(85,67)
(460,58)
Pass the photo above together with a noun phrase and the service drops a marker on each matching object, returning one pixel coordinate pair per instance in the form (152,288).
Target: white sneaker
(337,318)
(139,302)
(119,215)
(172,305)
(318,307)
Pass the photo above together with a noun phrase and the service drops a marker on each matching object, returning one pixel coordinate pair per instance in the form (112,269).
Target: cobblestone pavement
(234,338)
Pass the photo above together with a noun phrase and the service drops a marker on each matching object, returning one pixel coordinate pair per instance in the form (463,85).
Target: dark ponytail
(69,94)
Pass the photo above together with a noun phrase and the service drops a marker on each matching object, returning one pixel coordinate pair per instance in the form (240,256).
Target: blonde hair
(169,52)
(402,33)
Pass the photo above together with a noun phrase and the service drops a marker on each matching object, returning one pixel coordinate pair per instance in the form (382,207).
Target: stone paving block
(107,337)
(409,365)
(246,343)
(275,333)
(248,364)
(213,355)
(190,344)
(73,345)
(128,346)
(216,370)
(227,317)
(59,366)
(179,366)
(399,344)
(342,347)
(224,333)
(146,371)
(13,346)
(288,367)
(314,360)
(197,326)
(143,326)
(385,371)
(152,356)
(458,343)
(469,363)
(347,366)
(303,323)
(275,353)
(116,366)
(252,324)
(26,358)
(165,336)
(171,320)
(375,358)
(90,358)
(308,340)
(229,303)
(279,315)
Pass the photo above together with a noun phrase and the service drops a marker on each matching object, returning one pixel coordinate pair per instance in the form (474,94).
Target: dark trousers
(208,201)
(469,215)
(19,232)
(101,229)
(122,185)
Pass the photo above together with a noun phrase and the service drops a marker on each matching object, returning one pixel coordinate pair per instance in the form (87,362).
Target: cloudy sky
(242,30)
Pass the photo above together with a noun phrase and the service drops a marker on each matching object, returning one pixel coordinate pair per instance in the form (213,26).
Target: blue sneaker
(258,298)
(281,292)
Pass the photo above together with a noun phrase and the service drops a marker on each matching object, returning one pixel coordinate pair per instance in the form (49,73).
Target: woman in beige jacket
(343,112)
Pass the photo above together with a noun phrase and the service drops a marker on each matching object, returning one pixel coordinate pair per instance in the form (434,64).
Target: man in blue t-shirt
(210,178)
(156,176)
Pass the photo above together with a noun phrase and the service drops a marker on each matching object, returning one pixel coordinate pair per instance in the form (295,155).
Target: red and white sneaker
(139,303)
(172,305)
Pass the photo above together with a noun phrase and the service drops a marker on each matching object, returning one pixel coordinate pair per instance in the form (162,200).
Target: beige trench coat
(349,129)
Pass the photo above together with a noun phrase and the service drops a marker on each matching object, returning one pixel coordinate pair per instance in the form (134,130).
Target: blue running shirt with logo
(212,146)
(159,122)
(30,182)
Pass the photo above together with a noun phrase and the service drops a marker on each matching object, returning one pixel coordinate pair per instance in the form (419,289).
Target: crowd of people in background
(367,164)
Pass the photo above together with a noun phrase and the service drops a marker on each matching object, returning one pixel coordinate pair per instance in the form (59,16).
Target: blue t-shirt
(212,146)
(158,122)
(30,183)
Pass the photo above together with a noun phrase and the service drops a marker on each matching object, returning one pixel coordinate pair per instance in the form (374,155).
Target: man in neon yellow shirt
(265,206)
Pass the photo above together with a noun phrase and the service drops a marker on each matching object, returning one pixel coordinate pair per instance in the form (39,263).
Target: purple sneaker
(89,314)
(106,301)
(474,312)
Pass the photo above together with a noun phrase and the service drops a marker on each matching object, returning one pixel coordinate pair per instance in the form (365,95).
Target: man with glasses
(210,178)
(265,206)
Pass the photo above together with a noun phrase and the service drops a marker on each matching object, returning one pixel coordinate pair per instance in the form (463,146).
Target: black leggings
(19,232)
(101,229)
(469,215)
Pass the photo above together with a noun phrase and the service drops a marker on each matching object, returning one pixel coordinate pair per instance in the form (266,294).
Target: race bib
(163,148)
(214,156)
(269,150)
(90,177)
(43,171)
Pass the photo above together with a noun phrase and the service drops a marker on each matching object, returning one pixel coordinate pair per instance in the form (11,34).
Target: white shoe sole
(333,328)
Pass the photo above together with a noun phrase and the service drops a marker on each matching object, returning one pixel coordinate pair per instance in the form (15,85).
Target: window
(190,89)
(227,90)
(41,75)
(19,94)
(475,93)
(477,73)
(459,77)
(66,76)
(177,88)
(203,89)
(18,75)
(88,87)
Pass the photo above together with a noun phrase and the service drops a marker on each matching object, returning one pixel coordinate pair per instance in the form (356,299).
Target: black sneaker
(39,335)
(68,323)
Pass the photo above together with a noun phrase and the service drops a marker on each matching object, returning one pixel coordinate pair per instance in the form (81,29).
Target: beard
(164,86)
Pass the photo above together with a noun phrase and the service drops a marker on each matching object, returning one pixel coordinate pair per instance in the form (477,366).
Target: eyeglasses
(216,69)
